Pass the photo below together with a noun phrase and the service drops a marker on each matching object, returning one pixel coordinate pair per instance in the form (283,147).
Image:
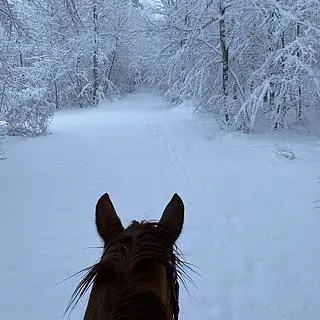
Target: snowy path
(251,227)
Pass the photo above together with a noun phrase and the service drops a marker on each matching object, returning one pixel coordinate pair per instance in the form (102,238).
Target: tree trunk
(56,95)
(225,61)
(281,110)
(78,81)
(299,106)
(95,62)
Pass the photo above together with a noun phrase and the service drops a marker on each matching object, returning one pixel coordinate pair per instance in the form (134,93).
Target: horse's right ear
(107,221)
(173,216)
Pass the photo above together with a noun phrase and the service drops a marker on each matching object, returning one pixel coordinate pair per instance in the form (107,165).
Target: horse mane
(139,244)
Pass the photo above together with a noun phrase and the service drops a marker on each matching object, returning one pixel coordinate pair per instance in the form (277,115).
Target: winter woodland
(245,61)
(217,100)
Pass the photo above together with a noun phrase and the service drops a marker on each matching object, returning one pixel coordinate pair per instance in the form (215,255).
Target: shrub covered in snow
(30,115)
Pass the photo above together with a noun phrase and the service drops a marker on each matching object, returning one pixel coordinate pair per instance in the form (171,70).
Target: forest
(246,62)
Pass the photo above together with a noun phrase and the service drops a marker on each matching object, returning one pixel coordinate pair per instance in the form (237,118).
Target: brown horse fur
(138,268)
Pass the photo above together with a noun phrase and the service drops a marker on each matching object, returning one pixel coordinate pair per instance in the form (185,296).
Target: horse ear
(107,221)
(173,216)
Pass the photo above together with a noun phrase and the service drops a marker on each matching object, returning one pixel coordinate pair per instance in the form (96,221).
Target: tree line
(246,61)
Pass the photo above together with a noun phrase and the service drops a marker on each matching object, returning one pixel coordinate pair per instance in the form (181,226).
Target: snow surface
(251,227)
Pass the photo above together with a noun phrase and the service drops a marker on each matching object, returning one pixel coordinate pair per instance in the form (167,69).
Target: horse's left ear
(173,216)
(107,221)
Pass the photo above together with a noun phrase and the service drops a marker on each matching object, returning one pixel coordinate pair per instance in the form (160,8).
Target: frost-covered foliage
(31,113)
(60,54)
(24,99)
(246,60)
(88,49)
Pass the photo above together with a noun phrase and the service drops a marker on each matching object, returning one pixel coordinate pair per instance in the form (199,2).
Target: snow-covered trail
(251,227)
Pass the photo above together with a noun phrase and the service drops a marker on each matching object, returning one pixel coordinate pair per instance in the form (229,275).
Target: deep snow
(251,224)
